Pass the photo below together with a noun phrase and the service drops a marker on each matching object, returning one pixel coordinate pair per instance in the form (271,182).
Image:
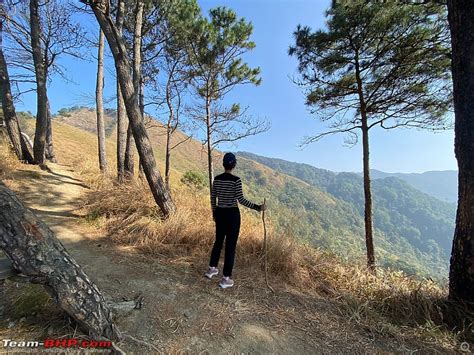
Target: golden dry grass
(389,303)
(391,299)
(8,161)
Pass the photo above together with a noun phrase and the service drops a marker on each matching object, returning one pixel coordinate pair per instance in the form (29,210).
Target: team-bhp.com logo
(58,343)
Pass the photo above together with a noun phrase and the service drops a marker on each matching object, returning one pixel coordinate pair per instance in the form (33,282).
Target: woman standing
(226,192)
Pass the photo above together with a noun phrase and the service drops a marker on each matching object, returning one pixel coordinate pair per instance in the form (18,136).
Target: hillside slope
(311,212)
(413,229)
(184,312)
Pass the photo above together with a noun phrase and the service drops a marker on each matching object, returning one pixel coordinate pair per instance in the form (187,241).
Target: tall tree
(99,96)
(122,121)
(375,65)
(162,22)
(461,22)
(9,115)
(161,194)
(58,35)
(216,48)
(137,77)
(40,72)
(171,87)
(176,84)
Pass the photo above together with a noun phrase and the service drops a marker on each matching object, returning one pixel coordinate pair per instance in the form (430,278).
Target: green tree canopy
(388,59)
(217,44)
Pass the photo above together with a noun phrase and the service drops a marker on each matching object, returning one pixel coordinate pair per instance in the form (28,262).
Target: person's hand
(263,207)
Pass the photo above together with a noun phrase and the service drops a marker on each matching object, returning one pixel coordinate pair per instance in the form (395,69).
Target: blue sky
(279,100)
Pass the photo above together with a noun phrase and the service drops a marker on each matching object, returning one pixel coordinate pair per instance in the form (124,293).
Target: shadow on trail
(80,182)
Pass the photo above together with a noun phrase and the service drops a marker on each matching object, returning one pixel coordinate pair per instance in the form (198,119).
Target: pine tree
(376,64)
(216,46)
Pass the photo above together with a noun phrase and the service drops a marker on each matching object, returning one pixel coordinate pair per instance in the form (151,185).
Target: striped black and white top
(227,191)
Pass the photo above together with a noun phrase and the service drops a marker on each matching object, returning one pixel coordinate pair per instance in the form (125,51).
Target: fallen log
(35,252)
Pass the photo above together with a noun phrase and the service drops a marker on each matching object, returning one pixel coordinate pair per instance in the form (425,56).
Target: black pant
(228,228)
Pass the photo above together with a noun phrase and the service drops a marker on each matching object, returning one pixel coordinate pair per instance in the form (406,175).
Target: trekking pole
(265,248)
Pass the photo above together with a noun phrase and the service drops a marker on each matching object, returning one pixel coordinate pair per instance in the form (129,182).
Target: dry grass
(390,303)
(132,218)
(390,300)
(8,161)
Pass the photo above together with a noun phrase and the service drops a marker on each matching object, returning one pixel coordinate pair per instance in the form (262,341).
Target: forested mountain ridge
(441,184)
(323,210)
(407,217)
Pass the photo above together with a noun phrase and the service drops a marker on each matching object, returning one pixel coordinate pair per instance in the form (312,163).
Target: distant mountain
(440,184)
(412,232)
(80,117)
(413,229)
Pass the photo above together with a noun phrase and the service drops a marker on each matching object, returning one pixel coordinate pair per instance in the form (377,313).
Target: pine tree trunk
(122,121)
(137,63)
(168,132)
(40,73)
(168,156)
(11,121)
(99,99)
(369,240)
(210,163)
(37,253)
(117,46)
(49,150)
(142,96)
(121,134)
(141,173)
(129,164)
(461,21)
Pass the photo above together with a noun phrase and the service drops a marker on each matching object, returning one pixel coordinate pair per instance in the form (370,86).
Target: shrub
(194,180)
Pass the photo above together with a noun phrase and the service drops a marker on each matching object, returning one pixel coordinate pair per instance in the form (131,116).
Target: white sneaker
(212,271)
(226,282)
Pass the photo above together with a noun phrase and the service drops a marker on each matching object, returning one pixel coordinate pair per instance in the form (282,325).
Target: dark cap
(229,160)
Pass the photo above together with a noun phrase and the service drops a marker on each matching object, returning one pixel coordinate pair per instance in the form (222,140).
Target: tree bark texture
(49,150)
(137,63)
(369,239)
(169,132)
(210,163)
(461,21)
(122,121)
(37,253)
(141,173)
(168,156)
(99,99)
(159,190)
(41,92)
(10,119)
(129,163)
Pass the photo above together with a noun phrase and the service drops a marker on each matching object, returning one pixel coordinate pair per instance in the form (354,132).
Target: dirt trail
(182,310)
